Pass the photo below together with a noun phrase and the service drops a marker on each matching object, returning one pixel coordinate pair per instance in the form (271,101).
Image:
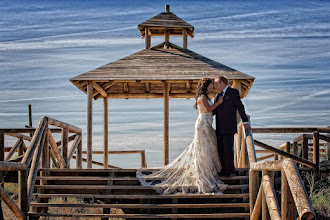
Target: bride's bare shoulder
(201,98)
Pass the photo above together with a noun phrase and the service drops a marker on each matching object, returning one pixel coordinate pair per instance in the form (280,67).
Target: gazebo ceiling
(142,75)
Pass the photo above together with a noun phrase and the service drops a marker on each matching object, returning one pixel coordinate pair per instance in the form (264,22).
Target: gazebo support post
(166,122)
(167,38)
(184,39)
(89,123)
(106,136)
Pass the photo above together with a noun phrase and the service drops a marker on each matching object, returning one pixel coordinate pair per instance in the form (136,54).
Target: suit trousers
(226,152)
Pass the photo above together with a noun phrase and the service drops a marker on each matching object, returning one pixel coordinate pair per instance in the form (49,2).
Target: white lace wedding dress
(196,169)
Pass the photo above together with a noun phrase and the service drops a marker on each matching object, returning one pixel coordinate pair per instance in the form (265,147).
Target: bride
(196,169)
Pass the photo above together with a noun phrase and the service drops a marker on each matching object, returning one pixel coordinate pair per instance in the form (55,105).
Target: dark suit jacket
(225,113)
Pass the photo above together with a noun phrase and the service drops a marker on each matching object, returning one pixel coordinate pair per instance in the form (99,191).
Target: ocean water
(285,45)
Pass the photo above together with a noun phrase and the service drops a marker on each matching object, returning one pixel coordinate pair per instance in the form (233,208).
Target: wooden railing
(20,210)
(42,148)
(298,150)
(263,200)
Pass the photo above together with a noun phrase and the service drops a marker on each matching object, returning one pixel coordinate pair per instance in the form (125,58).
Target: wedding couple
(197,168)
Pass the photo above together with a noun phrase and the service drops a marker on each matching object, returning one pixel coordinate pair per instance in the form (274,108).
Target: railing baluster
(316,152)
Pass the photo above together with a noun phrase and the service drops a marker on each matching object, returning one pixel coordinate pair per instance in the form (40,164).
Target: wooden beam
(89,123)
(147,36)
(106,133)
(100,89)
(167,38)
(184,38)
(166,123)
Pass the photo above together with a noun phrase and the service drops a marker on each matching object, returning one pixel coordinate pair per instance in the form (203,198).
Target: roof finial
(167,8)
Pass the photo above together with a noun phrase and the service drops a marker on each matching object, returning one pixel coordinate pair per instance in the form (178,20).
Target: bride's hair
(202,88)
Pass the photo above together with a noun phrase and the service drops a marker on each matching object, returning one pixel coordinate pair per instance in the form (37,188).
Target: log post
(316,152)
(167,38)
(79,153)
(22,194)
(106,135)
(147,38)
(166,123)
(265,212)
(304,147)
(237,149)
(30,117)
(298,191)
(65,141)
(21,148)
(89,123)
(272,204)
(284,196)
(256,212)
(184,38)
(295,148)
(253,189)
(143,160)
(288,146)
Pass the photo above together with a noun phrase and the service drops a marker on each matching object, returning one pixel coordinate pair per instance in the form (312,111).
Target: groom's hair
(222,79)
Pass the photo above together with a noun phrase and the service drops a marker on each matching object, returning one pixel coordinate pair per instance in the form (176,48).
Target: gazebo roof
(166,20)
(141,75)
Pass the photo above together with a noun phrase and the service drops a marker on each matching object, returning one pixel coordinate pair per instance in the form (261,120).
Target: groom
(226,123)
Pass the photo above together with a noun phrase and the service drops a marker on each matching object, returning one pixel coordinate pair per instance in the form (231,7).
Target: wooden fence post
(288,146)
(304,147)
(23,195)
(265,212)
(284,196)
(65,141)
(316,152)
(79,153)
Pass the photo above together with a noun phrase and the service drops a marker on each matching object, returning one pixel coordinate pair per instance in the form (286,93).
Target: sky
(284,44)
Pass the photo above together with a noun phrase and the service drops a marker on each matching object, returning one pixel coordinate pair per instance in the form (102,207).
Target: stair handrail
(263,194)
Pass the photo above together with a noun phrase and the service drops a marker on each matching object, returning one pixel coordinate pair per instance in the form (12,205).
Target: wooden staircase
(105,189)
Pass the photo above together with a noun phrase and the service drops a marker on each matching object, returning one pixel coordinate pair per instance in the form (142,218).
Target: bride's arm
(203,100)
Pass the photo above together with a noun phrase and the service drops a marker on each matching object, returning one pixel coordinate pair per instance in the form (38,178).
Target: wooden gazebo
(163,71)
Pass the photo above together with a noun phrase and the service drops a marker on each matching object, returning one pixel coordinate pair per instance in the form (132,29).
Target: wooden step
(108,170)
(127,187)
(143,196)
(144,206)
(124,178)
(144,216)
